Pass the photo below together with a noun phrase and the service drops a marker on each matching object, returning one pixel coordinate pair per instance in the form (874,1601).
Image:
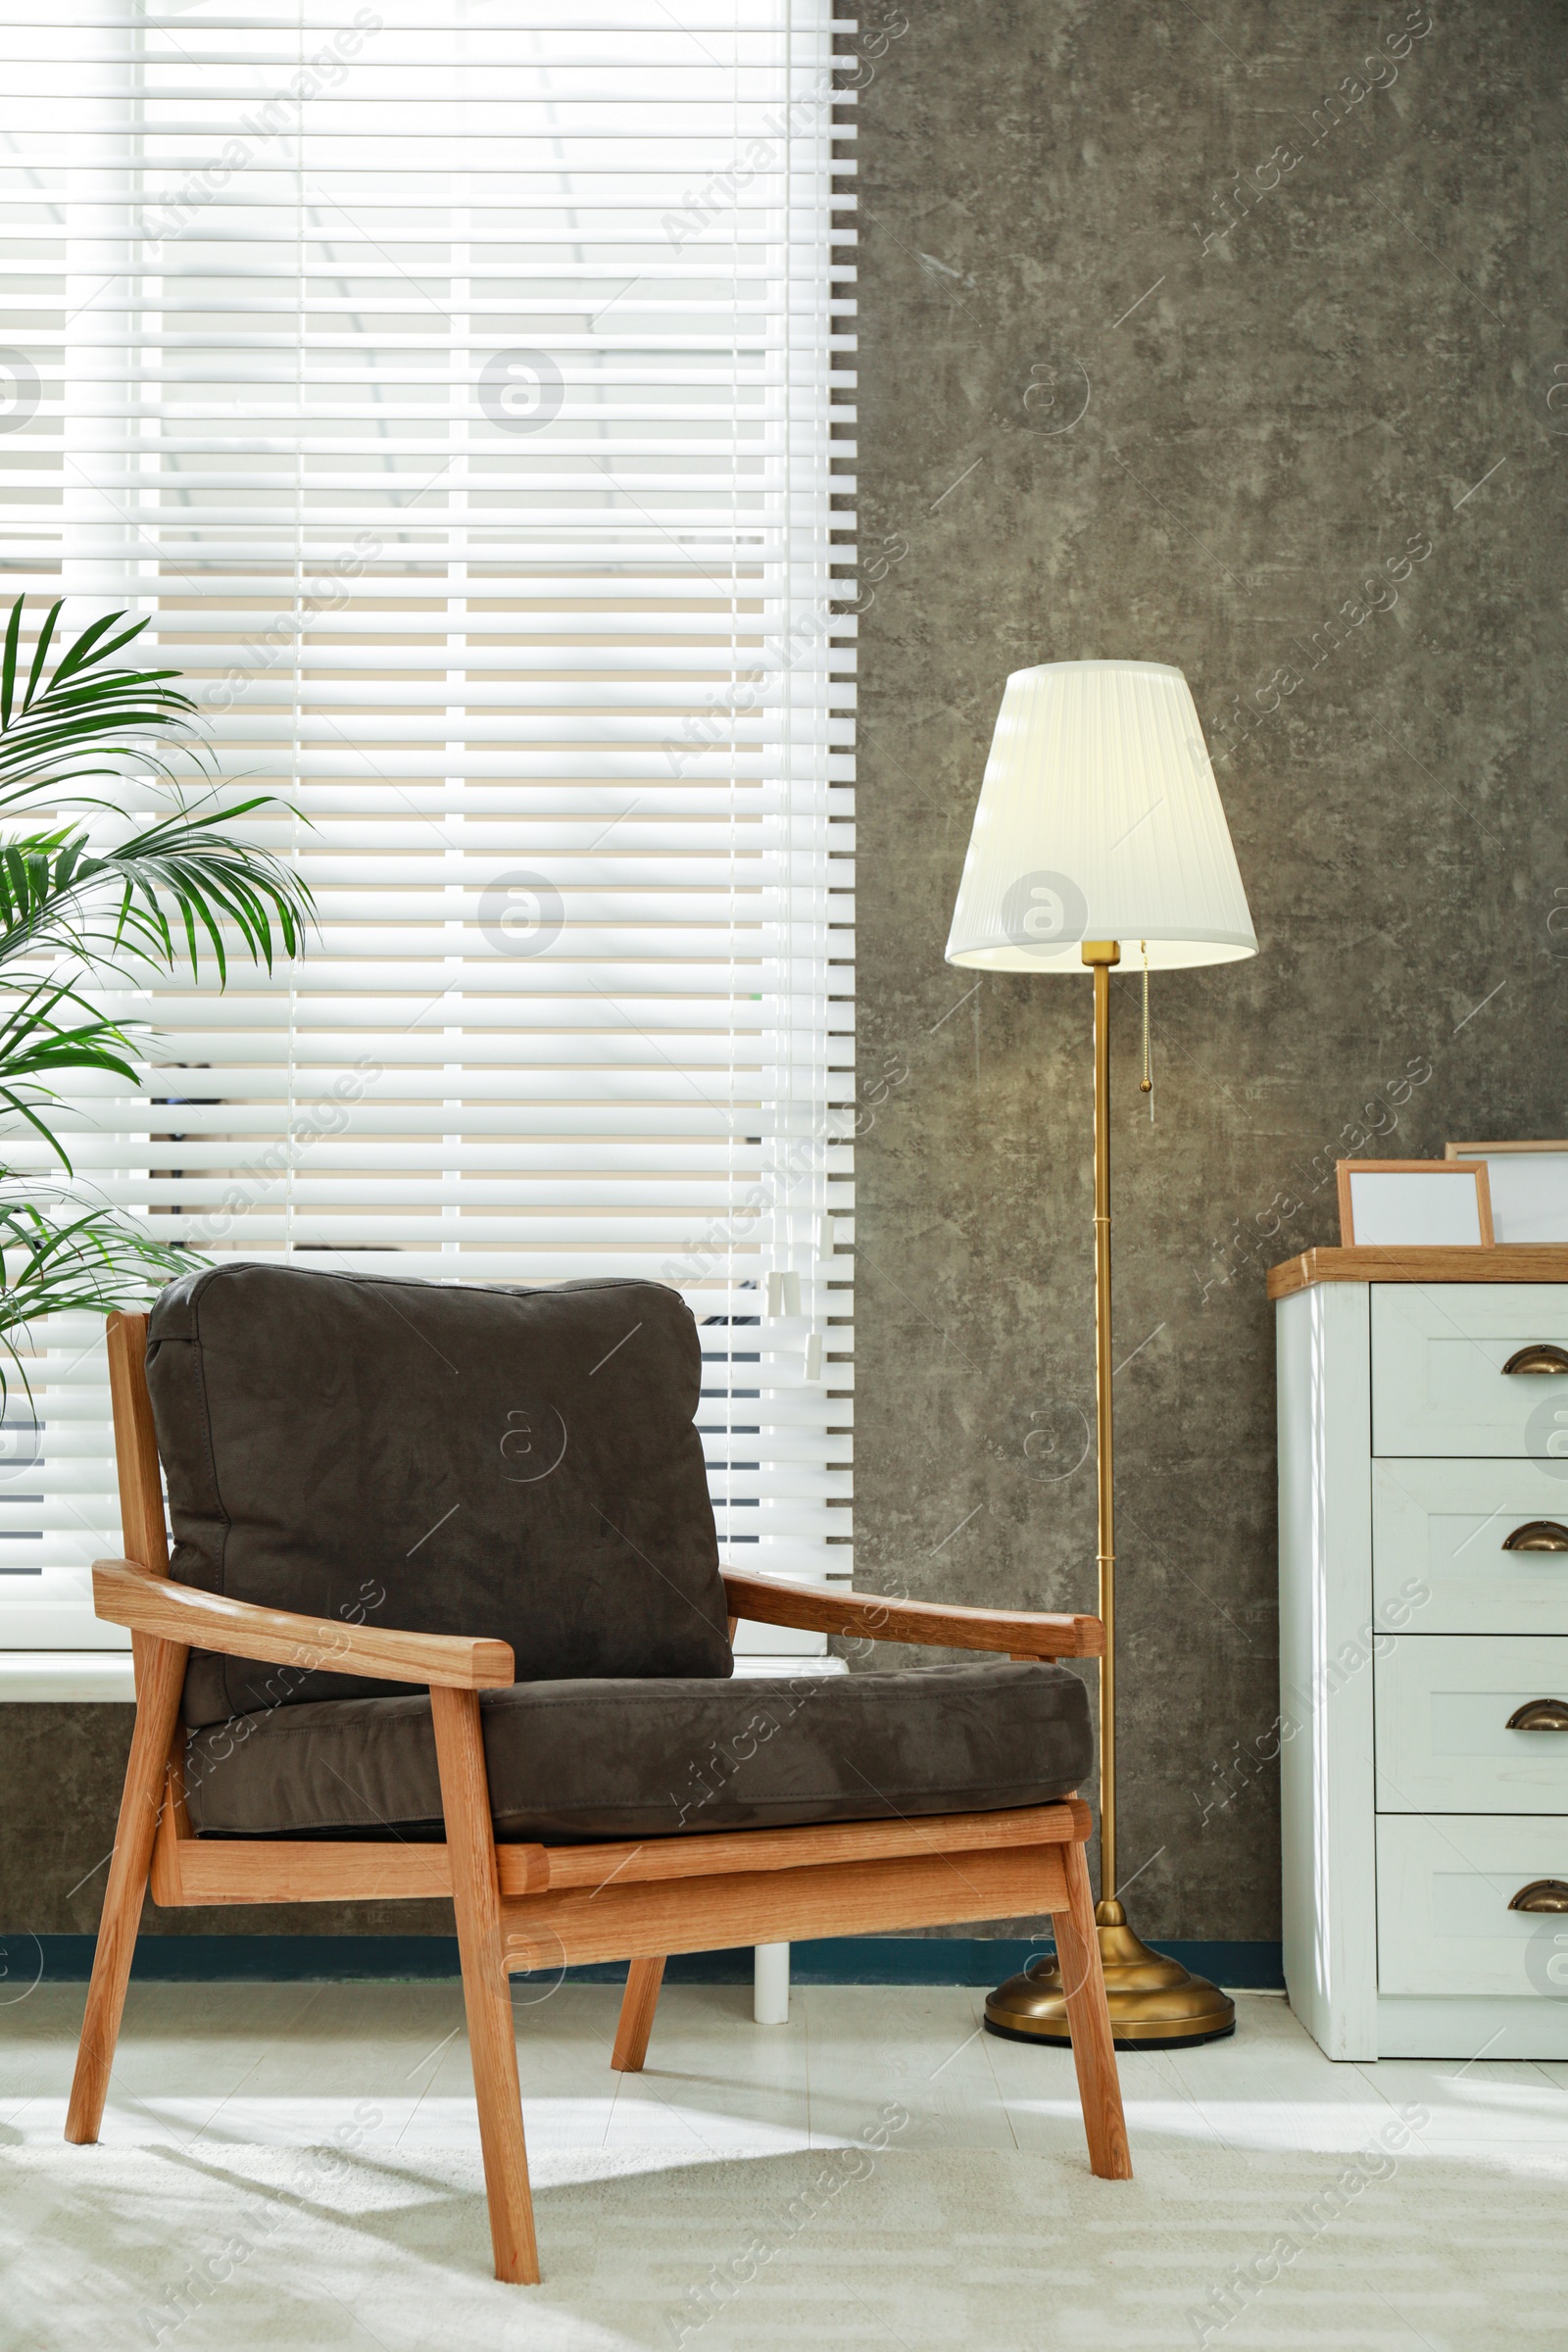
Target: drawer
(1437,1381)
(1443,1922)
(1439,1565)
(1441,1706)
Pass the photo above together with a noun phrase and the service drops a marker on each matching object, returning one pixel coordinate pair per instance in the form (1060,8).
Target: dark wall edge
(30,1960)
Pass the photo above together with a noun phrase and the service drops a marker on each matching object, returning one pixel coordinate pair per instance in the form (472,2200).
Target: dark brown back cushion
(452,1460)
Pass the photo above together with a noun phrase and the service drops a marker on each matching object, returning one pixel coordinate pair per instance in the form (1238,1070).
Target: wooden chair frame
(528,1906)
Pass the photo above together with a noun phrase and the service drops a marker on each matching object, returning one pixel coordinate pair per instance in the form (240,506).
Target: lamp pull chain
(1145,1085)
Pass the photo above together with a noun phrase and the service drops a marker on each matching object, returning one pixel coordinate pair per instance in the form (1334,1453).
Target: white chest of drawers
(1411,1631)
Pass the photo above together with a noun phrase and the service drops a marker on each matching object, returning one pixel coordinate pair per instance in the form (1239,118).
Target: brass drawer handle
(1541,1894)
(1537,1535)
(1540,1715)
(1539,1356)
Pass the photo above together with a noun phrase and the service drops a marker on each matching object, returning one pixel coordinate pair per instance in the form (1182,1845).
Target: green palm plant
(75,910)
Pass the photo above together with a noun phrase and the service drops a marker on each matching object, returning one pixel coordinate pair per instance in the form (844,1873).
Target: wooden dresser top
(1511,1262)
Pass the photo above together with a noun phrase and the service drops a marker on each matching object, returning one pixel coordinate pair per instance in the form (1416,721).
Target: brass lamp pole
(1155,2002)
(1100,955)
(1099,822)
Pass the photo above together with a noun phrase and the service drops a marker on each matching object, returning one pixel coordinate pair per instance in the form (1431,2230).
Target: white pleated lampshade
(1099,818)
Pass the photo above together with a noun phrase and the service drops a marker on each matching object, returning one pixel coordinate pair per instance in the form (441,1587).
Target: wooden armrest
(126,1594)
(1021,1632)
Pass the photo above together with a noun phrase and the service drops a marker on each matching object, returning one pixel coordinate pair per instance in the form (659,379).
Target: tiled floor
(298,2164)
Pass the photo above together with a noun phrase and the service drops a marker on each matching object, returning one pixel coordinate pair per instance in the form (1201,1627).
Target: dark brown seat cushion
(646,1758)
(441,1458)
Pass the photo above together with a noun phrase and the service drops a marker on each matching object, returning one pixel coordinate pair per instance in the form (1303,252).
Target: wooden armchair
(520,1902)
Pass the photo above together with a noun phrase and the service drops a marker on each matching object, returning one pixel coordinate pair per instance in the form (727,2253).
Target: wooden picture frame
(1528,1186)
(1381,1234)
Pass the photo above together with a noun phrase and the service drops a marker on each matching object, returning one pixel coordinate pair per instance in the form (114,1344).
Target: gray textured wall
(1096,421)
(60,1768)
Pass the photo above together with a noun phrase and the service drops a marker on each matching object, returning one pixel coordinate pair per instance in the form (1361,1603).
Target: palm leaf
(93,1261)
(52,887)
(81,710)
(33,1040)
(184,882)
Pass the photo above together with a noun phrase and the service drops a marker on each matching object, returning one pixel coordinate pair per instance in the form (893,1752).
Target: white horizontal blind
(453,382)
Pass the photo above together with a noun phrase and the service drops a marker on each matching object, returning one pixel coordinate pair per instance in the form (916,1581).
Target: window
(463,393)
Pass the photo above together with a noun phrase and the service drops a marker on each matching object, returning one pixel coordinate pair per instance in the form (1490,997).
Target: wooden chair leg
(163,1676)
(1094,2052)
(643,1981)
(487,1998)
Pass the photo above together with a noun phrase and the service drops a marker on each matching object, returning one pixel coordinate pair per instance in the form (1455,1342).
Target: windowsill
(753,1668)
(53,1675)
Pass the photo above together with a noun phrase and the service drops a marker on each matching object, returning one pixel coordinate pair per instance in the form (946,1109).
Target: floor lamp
(1099,840)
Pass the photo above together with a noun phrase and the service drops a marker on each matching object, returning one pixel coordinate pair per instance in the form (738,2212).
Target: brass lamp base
(1155,2002)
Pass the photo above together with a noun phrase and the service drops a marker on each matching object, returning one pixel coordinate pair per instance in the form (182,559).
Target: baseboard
(340,1959)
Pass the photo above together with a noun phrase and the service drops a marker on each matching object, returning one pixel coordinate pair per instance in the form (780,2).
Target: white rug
(240,2248)
(288,2166)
